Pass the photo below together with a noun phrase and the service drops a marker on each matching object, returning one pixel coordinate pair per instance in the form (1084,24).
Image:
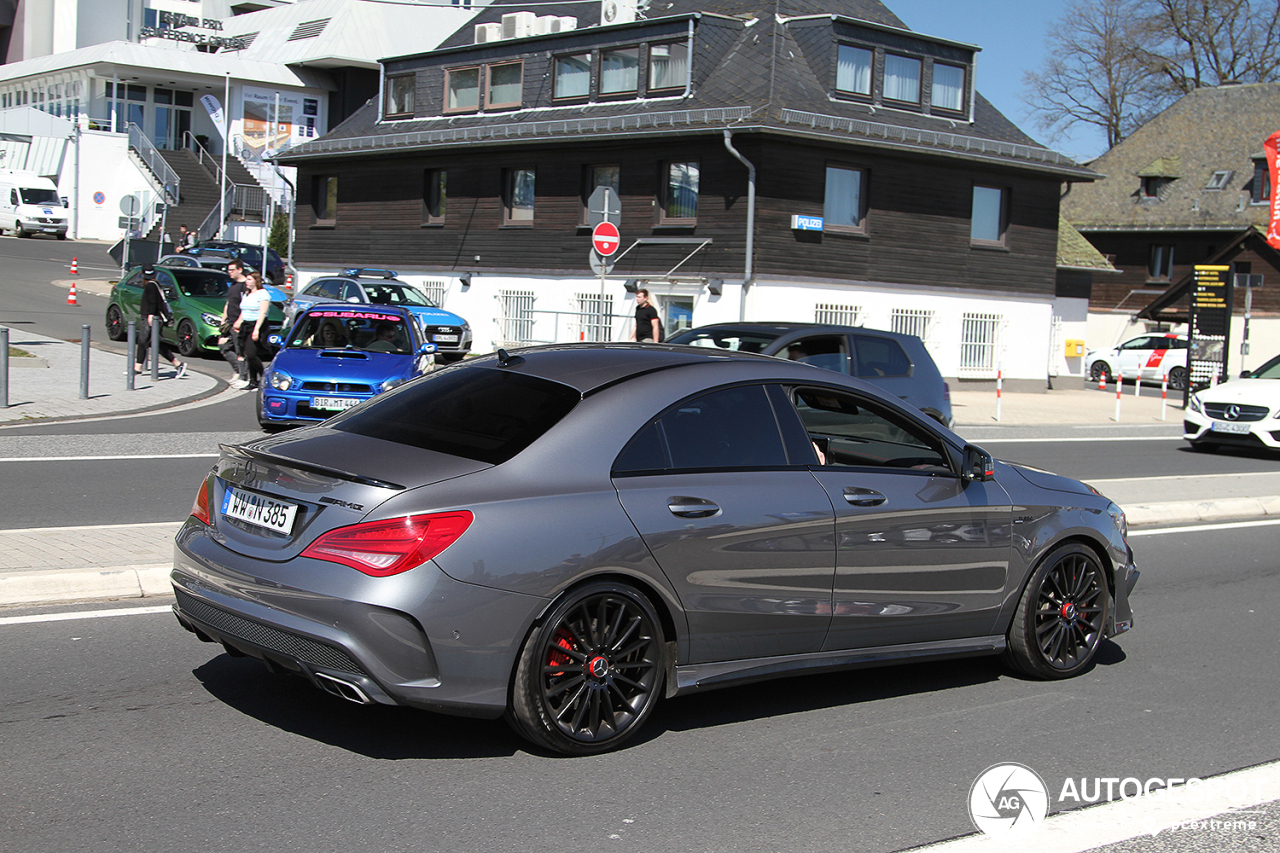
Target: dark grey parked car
(898,363)
(564,534)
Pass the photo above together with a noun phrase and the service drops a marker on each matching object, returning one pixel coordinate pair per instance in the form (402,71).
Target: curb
(1190,512)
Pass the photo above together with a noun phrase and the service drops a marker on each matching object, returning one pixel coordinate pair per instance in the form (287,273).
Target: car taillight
(382,548)
(200,507)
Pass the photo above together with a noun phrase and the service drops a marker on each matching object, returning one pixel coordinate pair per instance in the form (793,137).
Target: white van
(29,204)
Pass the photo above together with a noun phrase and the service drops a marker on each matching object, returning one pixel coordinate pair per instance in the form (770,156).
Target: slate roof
(1075,252)
(751,74)
(1209,130)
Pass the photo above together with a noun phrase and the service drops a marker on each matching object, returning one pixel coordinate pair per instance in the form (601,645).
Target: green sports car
(196,296)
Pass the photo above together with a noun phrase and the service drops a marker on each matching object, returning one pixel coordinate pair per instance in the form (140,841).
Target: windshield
(340,328)
(396,294)
(40,197)
(737,341)
(200,282)
(1270,370)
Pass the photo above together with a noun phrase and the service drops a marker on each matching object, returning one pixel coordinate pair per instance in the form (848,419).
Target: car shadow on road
(292,704)
(1242,451)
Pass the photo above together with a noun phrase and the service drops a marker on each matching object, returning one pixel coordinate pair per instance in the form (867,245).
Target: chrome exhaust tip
(343,689)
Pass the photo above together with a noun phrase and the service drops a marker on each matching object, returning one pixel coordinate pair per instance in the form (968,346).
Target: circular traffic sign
(605,238)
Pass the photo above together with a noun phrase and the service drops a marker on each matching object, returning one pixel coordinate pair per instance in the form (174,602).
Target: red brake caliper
(565,641)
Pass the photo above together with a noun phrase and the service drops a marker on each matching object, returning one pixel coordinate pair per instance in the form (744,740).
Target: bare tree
(1114,64)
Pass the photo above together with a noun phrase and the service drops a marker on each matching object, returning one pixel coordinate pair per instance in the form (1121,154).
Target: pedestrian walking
(154,304)
(228,340)
(254,305)
(186,239)
(648,326)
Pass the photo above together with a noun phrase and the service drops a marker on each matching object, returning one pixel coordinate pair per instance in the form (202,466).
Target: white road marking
(84,614)
(1231,525)
(79,527)
(107,458)
(1092,439)
(1187,477)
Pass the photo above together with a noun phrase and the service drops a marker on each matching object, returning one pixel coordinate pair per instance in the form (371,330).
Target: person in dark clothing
(152,300)
(229,344)
(648,326)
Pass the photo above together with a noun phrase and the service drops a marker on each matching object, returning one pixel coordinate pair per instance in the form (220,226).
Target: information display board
(1210,325)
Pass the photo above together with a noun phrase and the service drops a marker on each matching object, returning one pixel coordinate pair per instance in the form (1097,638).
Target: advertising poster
(270,125)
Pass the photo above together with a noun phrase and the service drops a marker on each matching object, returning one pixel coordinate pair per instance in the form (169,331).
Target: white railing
(980,345)
(515,317)
(150,156)
(830,314)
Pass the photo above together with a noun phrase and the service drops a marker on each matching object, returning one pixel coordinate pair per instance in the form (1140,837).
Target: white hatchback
(1154,356)
(1242,412)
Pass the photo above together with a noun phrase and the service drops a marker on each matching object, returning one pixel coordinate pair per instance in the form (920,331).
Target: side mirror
(275,340)
(977,465)
(1245,374)
(426,349)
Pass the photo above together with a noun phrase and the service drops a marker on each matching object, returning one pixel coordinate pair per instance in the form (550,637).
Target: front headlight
(466,327)
(389,384)
(214,320)
(280,380)
(1195,404)
(1117,516)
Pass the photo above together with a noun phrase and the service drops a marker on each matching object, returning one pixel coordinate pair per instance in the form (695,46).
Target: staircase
(199,192)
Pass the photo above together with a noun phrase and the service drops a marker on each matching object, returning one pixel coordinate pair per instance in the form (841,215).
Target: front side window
(948,87)
(853,70)
(518,197)
(901,78)
(400,96)
(852,432)
(462,90)
(573,76)
(620,71)
(680,194)
(842,208)
(324,198)
(506,85)
(668,65)
(434,196)
(988,218)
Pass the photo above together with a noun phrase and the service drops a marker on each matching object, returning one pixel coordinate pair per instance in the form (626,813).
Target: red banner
(1273,226)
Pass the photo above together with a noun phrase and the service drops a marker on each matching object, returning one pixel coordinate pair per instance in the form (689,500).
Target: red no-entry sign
(605,238)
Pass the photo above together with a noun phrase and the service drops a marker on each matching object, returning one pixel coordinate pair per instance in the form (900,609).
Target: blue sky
(1011,35)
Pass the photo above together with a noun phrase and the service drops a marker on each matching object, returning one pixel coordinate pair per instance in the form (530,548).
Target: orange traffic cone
(74,269)
(288,282)
(71,295)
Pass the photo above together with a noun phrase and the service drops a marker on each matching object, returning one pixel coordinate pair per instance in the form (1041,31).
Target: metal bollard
(4,367)
(132,344)
(84,362)
(154,355)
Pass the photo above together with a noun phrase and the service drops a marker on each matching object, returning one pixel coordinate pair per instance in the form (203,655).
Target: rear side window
(326,289)
(480,414)
(878,357)
(729,428)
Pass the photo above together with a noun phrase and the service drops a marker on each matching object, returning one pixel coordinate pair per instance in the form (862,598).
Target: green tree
(278,239)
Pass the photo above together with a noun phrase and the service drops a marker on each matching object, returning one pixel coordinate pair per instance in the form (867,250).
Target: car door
(736,521)
(129,298)
(1133,356)
(922,555)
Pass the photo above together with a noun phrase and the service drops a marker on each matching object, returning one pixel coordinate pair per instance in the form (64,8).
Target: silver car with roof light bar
(564,535)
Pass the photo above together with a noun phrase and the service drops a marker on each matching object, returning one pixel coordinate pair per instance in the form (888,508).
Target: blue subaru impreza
(337,356)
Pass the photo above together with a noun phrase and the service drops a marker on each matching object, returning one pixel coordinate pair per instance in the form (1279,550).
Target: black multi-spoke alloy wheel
(1099,371)
(188,340)
(590,672)
(1062,616)
(116,329)
(1178,378)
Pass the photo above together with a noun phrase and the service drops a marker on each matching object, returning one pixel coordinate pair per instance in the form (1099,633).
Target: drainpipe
(688,72)
(751,220)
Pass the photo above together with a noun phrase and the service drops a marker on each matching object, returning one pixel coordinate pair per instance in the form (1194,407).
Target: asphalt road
(126,734)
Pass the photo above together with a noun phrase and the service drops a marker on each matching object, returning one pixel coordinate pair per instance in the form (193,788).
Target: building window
(517,197)
(506,85)
(833,314)
(462,90)
(989,215)
(912,321)
(324,199)
(1161,265)
(620,71)
(948,87)
(595,316)
(842,208)
(679,205)
(434,196)
(901,78)
(399,96)
(515,318)
(853,70)
(1219,179)
(600,176)
(979,344)
(573,76)
(1260,192)
(1152,185)
(668,65)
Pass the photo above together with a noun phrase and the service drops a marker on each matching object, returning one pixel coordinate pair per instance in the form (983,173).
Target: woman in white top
(254,305)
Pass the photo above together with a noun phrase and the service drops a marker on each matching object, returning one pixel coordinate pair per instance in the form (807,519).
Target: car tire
(1100,372)
(188,340)
(116,328)
(1178,379)
(608,639)
(1062,615)
(18,230)
(62,235)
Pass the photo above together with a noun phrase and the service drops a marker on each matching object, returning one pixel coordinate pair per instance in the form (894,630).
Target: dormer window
(1157,176)
(1220,179)
(506,85)
(901,78)
(620,71)
(400,96)
(853,70)
(948,87)
(668,65)
(573,76)
(462,90)
(1260,186)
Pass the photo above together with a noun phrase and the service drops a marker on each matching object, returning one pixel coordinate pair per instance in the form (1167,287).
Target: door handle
(692,507)
(863,497)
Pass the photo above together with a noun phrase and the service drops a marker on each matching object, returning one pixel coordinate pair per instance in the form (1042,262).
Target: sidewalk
(61,564)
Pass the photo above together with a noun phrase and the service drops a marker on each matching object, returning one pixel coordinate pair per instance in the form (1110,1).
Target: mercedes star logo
(1232,412)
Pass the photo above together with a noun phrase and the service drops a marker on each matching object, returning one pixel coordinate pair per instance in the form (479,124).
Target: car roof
(787,328)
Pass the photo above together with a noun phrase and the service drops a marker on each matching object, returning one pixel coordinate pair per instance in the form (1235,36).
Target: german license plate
(445,339)
(259,510)
(334,403)
(1225,426)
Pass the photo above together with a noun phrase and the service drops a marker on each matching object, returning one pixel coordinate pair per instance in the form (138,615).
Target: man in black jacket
(152,300)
